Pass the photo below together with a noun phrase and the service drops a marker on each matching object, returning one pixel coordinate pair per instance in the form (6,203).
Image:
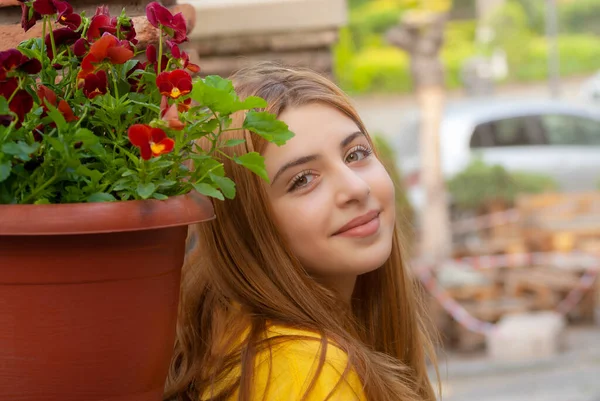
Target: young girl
(300,291)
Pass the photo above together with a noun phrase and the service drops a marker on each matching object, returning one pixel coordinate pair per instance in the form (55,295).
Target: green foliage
(481,183)
(83,150)
(579,54)
(386,69)
(579,16)
(374,18)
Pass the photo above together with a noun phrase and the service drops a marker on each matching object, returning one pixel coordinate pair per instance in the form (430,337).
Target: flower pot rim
(105,217)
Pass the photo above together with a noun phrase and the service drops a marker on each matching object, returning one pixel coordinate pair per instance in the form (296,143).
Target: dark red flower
(95,84)
(174,25)
(28,20)
(108,47)
(185,105)
(47,94)
(66,111)
(62,36)
(72,21)
(194,68)
(151,53)
(174,83)
(100,23)
(175,51)
(13,59)
(151,141)
(51,7)
(21,102)
(81,47)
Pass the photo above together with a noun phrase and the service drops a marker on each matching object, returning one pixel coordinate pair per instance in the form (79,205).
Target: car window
(514,131)
(571,130)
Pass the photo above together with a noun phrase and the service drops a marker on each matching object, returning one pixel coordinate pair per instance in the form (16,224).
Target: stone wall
(224,34)
(232,33)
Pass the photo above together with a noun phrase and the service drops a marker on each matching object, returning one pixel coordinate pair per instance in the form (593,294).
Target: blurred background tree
(365,63)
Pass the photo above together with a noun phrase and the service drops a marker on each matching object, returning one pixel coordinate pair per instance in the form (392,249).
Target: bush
(579,16)
(579,54)
(480,184)
(377,70)
(381,68)
(373,18)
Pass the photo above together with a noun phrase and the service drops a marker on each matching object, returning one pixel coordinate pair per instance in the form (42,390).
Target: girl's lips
(363,226)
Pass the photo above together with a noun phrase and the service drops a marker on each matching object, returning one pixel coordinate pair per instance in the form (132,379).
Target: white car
(548,137)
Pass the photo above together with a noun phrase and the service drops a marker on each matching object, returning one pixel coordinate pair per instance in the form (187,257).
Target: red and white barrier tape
(463,317)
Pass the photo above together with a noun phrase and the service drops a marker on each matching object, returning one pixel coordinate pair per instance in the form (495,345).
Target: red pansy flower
(174,25)
(12,59)
(21,102)
(151,141)
(72,21)
(62,36)
(185,105)
(174,83)
(45,93)
(81,47)
(95,84)
(108,47)
(100,23)
(27,20)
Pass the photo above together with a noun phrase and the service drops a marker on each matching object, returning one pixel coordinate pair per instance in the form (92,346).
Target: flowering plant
(81,120)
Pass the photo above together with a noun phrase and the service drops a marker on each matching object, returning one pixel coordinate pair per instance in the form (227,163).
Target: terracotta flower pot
(89,295)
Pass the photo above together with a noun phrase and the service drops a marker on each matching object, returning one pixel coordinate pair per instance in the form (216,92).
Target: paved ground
(574,375)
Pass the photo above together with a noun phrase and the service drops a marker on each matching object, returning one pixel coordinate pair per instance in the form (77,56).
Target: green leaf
(95,175)
(101,197)
(254,162)
(253,102)
(160,196)
(145,190)
(160,163)
(5,170)
(4,106)
(208,190)
(218,94)
(233,142)
(87,137)
(127,173)
(56,116)
(268,126)
(166,183)
(121,184)
(20,149)
(218,82)
(226,185)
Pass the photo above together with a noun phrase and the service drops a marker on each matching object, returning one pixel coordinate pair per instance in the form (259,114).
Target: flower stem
(43,43)
(160,50)
(52,41)
(41,188)
(114,79)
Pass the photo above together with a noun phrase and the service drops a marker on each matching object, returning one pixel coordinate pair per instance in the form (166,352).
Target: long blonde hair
(244,277)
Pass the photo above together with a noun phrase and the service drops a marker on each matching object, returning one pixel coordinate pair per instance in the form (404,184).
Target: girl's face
(332,198)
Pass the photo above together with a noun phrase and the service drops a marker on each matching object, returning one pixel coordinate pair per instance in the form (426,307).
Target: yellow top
(292,365)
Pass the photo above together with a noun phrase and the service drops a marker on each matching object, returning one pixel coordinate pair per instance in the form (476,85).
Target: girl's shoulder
(290,365)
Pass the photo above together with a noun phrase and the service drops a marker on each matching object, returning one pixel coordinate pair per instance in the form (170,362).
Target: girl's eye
(301,180)
(358,153)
